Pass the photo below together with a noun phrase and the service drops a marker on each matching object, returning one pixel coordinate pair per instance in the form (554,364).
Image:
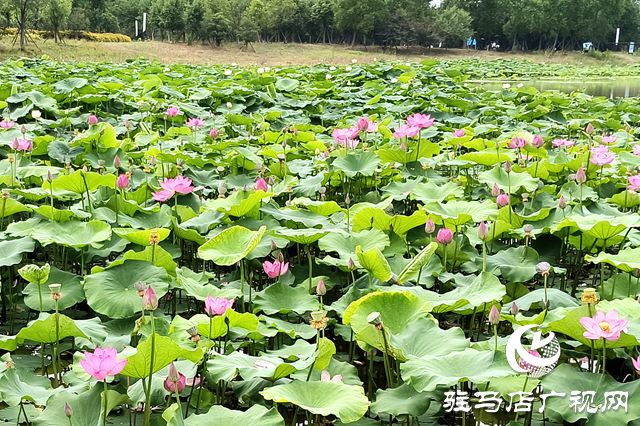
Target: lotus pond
(314,245)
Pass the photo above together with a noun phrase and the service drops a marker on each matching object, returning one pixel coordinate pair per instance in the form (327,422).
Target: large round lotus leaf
(81,182)
(567,379)
(348,372)
(345,244)
(11,251)
(44,330)
(302,236)
(460,212)
(371,217)
(271,368)
(397,310)
(112,291)
(417,340)
(417,263)
(217,326)
(238,204)
(364,163)
(375,263)
(426,373)
(141,237)
(10,206)
(231,245)
(257,415)
(403,400)
(626,260)
(30,388)
(202,291)
(346,402)
(72,291)
(505,180)
(72,233)
(284,299)
(601,226)
(164,352)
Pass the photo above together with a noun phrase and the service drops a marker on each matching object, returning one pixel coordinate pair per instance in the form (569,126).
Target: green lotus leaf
(371,217)
(141,237)
(426,373)
(429,192)
(11,250)
(72,233)
(55,214)
(152,254)
(364,163)
(375,263)
(505,180)
(345,244)
(72,291)
(111,292)
(600,226)
(164,353)
(9,206)
(217,325)
(292,330)
(35,274)
(556,298)
(403,400)
(456,214)
(302,236)
(80,182)
(487,157)
(326,350)
(257,415)
(306,218)
(281,298)
(348,403)
(36,388)
(418,337)
(323,208)
(515,264)
(625,260)
(348,372)
(202,291)
(417,263)
(43,330)
(238,204)
(231,245)
(226,367)
(393,153)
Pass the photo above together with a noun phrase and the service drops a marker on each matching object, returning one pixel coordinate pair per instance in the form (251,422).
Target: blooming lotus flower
(352,143)
(404,131)
(217,306)
(195,122)
(459,133)
(93,120)
(602,325)
(341,135)
(180,184)
(502,200)
(275,269)
(7,124)
(608,139)
(325,376)
(562,142)
(445,236)
(537,142)
(21,145)
(175,382)
(602,159)
(516,143)
(261,185)
(524,364)
(636,149)
(420,121)
(172,112)
(634,182)
(602,149)
(102,363)
(122,182)
(366,125)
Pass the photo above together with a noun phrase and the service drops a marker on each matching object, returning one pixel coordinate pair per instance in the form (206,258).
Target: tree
(452,25)
(322,17)
(56,13)
(359,16)
(23,10)
(193,20)
(78,21)
(395,31)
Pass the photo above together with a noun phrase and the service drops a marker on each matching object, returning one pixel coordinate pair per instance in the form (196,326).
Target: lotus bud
(285,130)
(429,227)
(537,142)
(352,265)
(140,287)
(15,144)
(543,268)
(502,200)
(562,203)
(445,236)
(494,316)
(68,411)
(514,309)
(528,228)
(272,180)
(321,289)
(507,166)
(581,176)
(229,105)
(495,190)
(280,257)
(403,147)
(284,142)
(590,129)
(127,124)
(49,176)
(483,232)
(150,300)
(116,162)
(173,376)
(23,129)
(85,169)
(497,146)
(347,200)
(213,133)
(93,120)
(154,160)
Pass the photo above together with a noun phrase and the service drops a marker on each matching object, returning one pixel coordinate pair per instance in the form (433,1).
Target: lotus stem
(242,284)
(386,357)
(444,266)
(546,277)
(104,416)
(495,333)
(310,269)
(147,405)
(604,356)
(484,256)
(4,203)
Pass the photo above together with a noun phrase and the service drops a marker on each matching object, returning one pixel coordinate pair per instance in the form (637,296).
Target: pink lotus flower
(537,142)
(122,182)
(404,131)
(608,139)
(102,363)
(150,299)
(341,135)
(420,121)
(217,306)
(93,120)
(602,149)
(494,316)
(275,269)
(502,200)
(602,159)
(213,133)
(516,143)
(175,382)
(495,190)
(21,145)
(524,364)
(325,376)
(429,227)
(636,149)
(590,129)
(459,133)
(352,143)
(445,236)
(634,182)
(7,124)
(604,326)
(195,122)
(180,184)
(172,112)
(636,364)
(261,185)
(581,176)
(366,125)
(562,142)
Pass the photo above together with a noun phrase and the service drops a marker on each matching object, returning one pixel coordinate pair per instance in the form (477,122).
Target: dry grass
(272,54)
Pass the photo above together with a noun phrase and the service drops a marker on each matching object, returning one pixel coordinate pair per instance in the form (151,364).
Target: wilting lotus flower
(602,325)
(404,131)
(195,122)
(602,159)
(275,269)
(122,182)
(261,185)
(217,306)
(516,143)
(7,124)
(102,363)
(420,121)
(93,120)
(634,182)
(366,125)
(445,236)
(459,133)
(581,176)
(537,142)
(502,200)
(180,184)
(429,227)
(608,139)
(172,112)
(175,382)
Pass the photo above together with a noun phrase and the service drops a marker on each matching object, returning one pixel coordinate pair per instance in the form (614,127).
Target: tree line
(510,24)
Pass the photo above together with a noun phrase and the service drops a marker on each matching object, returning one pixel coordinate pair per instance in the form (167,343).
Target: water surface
(622,87)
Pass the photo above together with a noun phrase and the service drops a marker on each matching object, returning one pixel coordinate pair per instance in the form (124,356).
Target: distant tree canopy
(512,24)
